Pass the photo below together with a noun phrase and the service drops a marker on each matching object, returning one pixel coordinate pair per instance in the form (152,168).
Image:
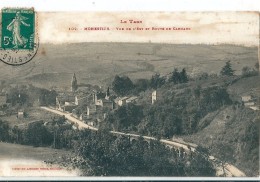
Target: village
(89,105)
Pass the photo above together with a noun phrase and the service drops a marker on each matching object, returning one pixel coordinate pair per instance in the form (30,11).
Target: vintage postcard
(129,94)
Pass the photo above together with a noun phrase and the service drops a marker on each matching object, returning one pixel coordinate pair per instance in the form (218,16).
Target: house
(255,108)
(68,107)
(131,99)
(84,117)
(91,123)
(107,104)
(83,99)
(249,104)
(154,96)
(88,114)
(246,98)
(20,114)
(2,113)
(121,101)
(75,113)
(64,99)
(92,109)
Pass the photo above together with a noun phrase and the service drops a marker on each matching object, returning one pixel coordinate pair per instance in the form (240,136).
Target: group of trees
(124,85)
(56,134)
(108,155)
(4,131)
(227,70)
(178,77)
(125,118)
(29,95)
(172,114)
(118,156)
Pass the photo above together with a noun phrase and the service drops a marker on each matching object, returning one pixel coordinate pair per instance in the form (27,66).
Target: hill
(201,112)
(98,63)
(232,136)
(232,132)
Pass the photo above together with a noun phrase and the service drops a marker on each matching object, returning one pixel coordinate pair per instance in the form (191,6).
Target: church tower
(74,84)
(107,94)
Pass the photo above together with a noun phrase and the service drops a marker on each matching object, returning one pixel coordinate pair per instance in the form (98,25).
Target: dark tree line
(124,85)
(118,156)
(178,77)
(56,134)
(27,96)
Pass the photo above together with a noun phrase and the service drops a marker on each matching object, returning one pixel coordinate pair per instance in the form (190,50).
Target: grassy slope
(246,86)
(97,63)
(8,150)
(33,114)
(227,125)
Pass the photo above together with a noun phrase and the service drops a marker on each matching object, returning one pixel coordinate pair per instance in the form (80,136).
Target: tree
(157,81)
(4,127)
(227,70)
(108,92)
(38,135)
(122,85)
(175,76)
(125,117)
(183,76)
(246,71)
(141,85)
(179,77)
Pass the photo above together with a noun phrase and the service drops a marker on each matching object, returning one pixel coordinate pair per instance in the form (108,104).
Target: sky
(240,28)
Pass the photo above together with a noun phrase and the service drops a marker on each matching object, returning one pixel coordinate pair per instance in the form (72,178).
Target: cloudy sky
(208,28)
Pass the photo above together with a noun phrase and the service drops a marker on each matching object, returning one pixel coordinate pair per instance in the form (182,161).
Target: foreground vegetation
(101,153)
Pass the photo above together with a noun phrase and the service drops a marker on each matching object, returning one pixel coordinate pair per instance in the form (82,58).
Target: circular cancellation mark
(17,47)
(16,57)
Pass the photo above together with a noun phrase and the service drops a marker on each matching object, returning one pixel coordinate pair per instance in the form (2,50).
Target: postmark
(19,40)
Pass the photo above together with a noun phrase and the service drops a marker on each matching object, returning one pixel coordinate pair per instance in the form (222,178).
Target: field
(98,63)
(33,114)
(20,160)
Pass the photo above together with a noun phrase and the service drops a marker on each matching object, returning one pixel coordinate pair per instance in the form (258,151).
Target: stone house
(63,100)
(121,101)
(131,99)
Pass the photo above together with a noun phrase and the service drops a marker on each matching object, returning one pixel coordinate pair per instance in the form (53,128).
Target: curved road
(230,170)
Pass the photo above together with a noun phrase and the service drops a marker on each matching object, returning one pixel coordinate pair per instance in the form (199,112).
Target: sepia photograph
(133,94)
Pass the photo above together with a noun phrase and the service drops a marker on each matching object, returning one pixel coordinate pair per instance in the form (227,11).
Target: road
(68,116)
(230,170)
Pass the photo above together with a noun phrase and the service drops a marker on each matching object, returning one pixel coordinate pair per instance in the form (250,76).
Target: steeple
(107,94)
(74,85)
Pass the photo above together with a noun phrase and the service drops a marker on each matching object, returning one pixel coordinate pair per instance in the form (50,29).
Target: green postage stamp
(18,35)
